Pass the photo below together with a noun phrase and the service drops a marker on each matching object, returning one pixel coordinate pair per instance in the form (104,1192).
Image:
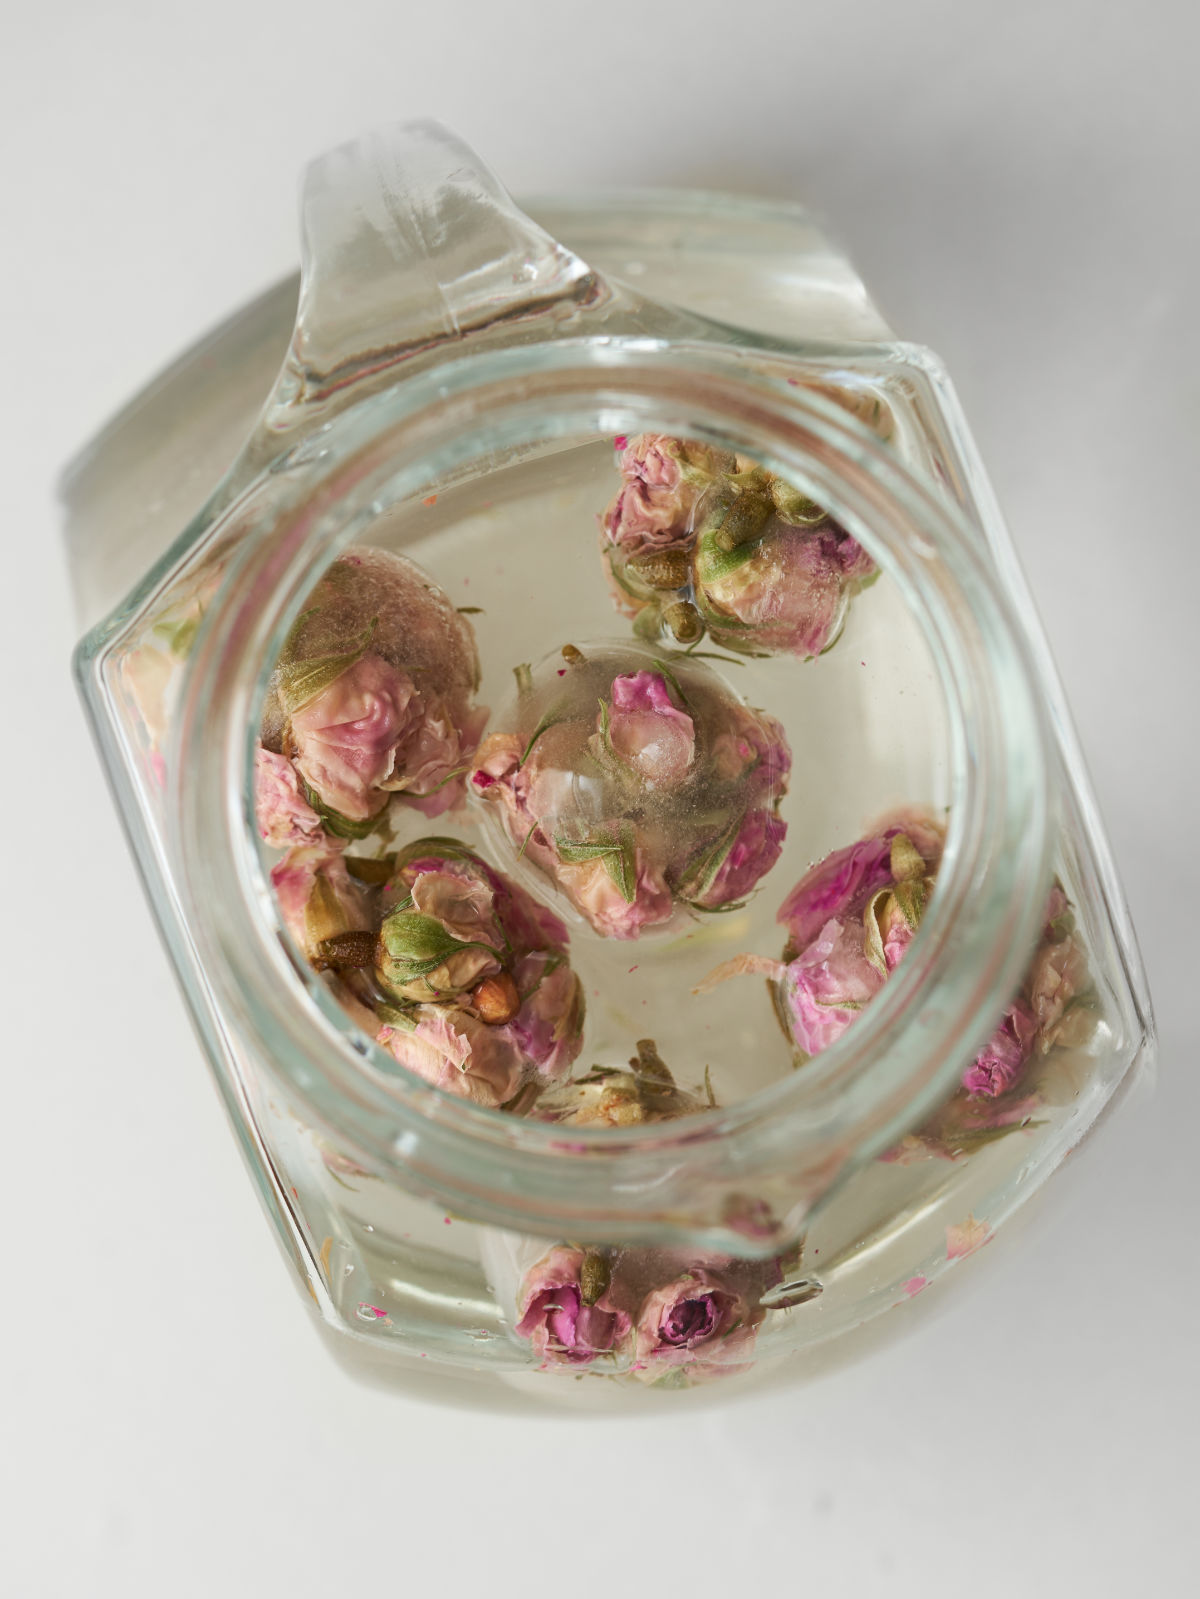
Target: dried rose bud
(496,999)
(483,1000)
(637,785)
(345,706)
(563,1324)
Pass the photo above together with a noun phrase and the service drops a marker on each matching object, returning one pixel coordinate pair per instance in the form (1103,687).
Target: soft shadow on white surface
(1017,185)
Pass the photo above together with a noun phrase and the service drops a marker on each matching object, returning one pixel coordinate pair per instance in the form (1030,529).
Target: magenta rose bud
(284,816)
(828,985)
(647,731)
(566,1320)
(698,1321)
(998,1065)
(755,848)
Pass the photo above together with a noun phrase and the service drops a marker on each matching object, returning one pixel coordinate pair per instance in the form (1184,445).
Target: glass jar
(447,382)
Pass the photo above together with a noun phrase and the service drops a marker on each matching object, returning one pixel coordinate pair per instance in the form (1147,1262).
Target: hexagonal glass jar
(446,383)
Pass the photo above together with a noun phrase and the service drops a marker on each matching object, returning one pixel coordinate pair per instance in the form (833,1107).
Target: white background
(1018,184)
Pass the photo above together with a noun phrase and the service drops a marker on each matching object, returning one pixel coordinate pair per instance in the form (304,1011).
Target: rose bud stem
(496,999)
(345,952)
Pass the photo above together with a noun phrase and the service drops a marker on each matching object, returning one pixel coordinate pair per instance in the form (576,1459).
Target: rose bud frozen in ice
(373,694)
(637,786)
(784,590)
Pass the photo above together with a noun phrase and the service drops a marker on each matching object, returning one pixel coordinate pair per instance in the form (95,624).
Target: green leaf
(551,717)
(672,681)
(298,682)
(618,854)
(702,870)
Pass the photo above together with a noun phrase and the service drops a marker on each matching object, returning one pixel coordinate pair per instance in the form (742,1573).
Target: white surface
(1017,182)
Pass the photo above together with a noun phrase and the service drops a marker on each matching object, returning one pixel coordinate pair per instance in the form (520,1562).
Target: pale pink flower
(828,985)
(663,480)
(284,816)
(317,897)
(345,738)
(592,890)
(1059,974)
(647,730)
(552,1315)
(455,1051)
(999,1063)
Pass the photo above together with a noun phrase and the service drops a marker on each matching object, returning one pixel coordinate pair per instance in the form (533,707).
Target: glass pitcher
(725,1172)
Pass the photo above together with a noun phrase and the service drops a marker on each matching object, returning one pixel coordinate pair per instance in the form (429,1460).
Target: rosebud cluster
(664,1316)
(478,995)
(637,785)
(697,539)
(850,921)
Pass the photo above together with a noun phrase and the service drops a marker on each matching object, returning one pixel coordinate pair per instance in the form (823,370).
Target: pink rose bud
(565,1310)
(317,897)
(284,816)
(668,796)
(828,984)
(663,480)
(647,731)
(699,1322)
(373,694)
(345,739)
(996,1068)
(485,1001)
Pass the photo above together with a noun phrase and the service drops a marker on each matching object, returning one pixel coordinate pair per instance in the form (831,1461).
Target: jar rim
(788,1141)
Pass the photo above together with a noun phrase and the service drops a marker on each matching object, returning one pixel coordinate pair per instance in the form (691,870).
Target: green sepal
(702,870)
(298,682)
(337,824)
(619,856)
(906,862)
(873,941)
(404,1016)
(793,507)
(419,944)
